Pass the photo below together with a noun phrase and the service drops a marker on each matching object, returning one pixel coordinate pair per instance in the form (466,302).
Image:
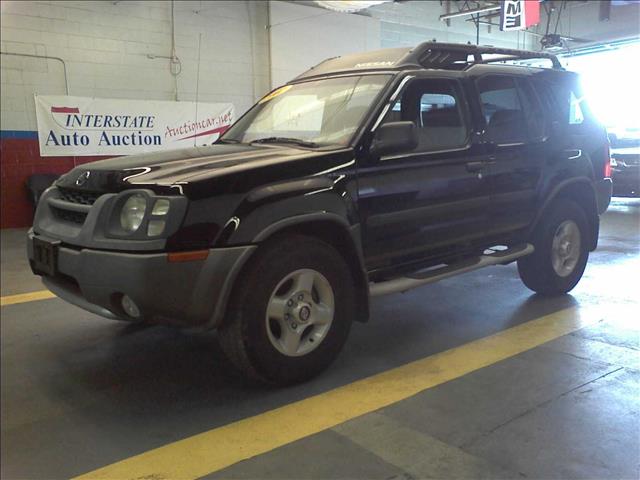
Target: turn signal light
(607,163)
(187,256)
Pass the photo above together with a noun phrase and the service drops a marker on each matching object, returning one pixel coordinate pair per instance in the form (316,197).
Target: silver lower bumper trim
(68,294)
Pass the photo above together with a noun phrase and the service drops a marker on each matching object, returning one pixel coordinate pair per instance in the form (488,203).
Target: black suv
(368,174)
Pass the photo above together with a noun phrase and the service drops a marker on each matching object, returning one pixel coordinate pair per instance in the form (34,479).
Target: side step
(418,279)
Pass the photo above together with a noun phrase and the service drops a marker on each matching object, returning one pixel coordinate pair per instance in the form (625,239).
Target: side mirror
(394,137)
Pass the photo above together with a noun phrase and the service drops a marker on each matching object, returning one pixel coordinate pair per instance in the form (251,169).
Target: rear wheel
(291,311)
(561,251)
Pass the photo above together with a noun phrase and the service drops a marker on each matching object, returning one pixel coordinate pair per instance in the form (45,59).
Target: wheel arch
(337,232)
(581,191)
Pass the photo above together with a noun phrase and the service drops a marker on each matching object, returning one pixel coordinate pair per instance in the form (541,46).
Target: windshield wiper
(296,141)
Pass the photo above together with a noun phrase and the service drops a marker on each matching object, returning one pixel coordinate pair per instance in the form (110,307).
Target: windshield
(321,112)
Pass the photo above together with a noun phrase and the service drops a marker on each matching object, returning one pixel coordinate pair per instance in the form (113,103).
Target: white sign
(80,126)
(519,14)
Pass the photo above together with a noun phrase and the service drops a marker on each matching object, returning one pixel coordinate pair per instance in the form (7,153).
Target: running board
(418,279)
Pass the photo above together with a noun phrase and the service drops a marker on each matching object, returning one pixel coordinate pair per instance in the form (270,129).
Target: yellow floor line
(25,297)
(221,447)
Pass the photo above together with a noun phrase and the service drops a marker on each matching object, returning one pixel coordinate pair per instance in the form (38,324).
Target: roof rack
(452,56)
(442,55)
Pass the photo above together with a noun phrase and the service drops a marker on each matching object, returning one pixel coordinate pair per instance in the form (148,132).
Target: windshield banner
(83,126)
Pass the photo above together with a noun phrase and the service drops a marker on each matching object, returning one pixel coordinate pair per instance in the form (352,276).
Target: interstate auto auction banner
(78,126)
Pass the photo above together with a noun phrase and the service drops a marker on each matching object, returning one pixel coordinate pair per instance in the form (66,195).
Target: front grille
(69,215)
(78,196)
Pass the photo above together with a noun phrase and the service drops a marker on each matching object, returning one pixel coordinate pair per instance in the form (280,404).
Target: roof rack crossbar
(427,53)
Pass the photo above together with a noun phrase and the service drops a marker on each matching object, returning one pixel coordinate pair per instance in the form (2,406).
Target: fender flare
(299,219)
(358,269)
(592,215)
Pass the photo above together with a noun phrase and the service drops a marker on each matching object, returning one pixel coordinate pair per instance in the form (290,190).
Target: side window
(576,117)
(502,109)
(569,106)
(534,114)
(435,106)
(546,96)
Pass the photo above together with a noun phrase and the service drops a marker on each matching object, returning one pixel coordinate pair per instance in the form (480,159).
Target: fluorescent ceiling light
(348,6)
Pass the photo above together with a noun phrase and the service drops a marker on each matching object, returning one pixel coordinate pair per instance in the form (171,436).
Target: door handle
(573,153)
(474,167)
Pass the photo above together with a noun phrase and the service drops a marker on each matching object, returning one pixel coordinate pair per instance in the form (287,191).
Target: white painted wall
(303,36)
(105,46)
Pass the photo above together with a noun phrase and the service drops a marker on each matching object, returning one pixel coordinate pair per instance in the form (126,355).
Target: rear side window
(549,101)
(436,107)
(502,108)
(565,101)
(576,117)
(533,111)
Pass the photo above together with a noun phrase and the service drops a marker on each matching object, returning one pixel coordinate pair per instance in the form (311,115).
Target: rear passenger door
(432,201)
(515,139)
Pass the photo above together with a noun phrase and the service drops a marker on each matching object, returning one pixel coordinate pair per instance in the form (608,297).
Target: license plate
(45,256)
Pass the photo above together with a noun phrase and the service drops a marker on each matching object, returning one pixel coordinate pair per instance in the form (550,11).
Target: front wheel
(561,251)
(291,311)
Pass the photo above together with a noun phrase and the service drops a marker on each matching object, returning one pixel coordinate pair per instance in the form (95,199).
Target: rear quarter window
(565,101)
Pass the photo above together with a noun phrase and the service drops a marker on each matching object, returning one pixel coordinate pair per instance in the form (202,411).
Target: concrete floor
(80,392)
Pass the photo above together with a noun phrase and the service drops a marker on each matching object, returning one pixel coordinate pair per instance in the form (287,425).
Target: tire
(556,267)
(263,347)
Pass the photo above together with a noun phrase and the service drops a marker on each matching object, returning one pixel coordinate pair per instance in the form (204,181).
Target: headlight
(161,207)
(132,213)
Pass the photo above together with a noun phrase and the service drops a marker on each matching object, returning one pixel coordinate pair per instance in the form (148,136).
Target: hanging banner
(83,126)
(519,14)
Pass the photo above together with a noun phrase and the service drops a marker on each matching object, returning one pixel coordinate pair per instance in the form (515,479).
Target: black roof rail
(451,56)
(441,55)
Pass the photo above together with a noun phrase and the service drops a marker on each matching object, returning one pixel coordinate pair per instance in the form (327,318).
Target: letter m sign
(519,14)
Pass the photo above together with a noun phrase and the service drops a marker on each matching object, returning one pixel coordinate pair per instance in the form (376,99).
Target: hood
(178,167)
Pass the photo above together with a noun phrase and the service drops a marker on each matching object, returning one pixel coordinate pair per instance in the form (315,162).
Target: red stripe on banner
(220,130)
(65,110)
(531,12)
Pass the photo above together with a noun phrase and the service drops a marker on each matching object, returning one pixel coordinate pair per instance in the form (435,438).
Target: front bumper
(191,293)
